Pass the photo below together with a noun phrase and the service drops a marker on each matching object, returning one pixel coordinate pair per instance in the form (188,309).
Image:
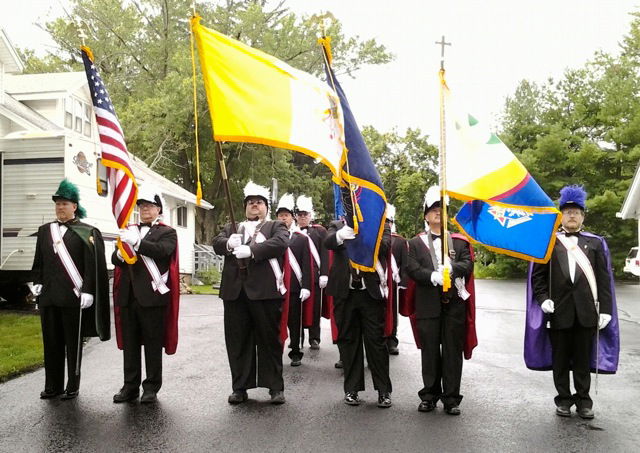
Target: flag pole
(446,277)
(242,263)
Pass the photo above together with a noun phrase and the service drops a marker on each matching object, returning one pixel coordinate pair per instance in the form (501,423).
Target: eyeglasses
(258,201)
(303,214)
(572,212)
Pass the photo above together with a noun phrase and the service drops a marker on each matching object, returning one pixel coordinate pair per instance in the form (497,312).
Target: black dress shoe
(384,399)
(125,395)
(69,395)
(314,344)
(563,411)
(339,364)
(586,413)
(148,397)
(237,397)
(393,350)
(277,397)
(426,406)
(352,399)
(48,394)
(296,362)
(452,410)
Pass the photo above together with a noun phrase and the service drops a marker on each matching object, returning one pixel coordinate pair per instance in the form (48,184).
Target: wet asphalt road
(505,408)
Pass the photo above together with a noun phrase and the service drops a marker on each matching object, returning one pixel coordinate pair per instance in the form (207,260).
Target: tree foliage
(142,48)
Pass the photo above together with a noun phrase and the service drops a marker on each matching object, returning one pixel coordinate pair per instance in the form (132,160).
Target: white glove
(36,290)
(604,320)
(396,277)
(322,281)
(548,306)
(235,240)
(86,300)
(447,266)
(345,233)
(242,251)
(436,278)
(304,294)
(130,237)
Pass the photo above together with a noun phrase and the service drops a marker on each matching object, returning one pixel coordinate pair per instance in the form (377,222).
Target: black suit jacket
(159,244)
(47,270)
(260,283)
(419,267)
(573,299)
(299,245)
(340,273)
(318,233)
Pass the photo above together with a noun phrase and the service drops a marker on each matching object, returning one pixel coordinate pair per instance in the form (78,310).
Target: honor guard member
(574,290)
(359,311)
(397,280)
(146,296)
(300,276)
(440,317)
(71,283)
(252,290)
(319,266)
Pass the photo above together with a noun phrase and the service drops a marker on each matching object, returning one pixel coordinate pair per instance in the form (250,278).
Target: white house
(48,132)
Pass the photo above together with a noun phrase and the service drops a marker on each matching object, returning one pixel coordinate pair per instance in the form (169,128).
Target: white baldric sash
(295,266)
(60,249)
(382,274)
(158,280)
(314,251)
(277,272)
(394,269)
(583,261)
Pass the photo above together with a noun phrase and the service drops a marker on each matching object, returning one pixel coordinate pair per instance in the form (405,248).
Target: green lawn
(204,289)
(20,344)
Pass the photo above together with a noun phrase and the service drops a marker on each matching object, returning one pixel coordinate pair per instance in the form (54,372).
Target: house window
(181,216)
(68,113)
(135,215)
(87,120)
(78,111)
(102,186)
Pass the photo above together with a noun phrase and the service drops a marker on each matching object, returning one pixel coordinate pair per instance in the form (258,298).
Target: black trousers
(361,318)
(60,338)
(392,340)
(314,330)
(294,322)
(252,334)
(571,349)
(142,326)
(442,341)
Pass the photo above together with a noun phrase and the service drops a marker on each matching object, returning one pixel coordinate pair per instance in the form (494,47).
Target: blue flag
(366,201)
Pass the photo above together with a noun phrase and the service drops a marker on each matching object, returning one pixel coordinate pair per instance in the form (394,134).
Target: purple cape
(537,346)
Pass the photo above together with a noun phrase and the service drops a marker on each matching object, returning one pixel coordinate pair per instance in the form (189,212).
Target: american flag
(115,157)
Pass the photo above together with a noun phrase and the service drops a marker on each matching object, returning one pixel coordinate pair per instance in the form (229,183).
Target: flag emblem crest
(509,217)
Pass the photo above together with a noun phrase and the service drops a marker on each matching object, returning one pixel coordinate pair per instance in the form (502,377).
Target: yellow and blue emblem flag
(254,97)
(506,210)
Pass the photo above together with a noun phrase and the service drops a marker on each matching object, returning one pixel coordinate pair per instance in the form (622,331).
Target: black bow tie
(64,223)
(145,225)
(574,233)
(434,236)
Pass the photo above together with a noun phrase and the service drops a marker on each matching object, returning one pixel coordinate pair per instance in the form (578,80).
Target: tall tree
(143,51)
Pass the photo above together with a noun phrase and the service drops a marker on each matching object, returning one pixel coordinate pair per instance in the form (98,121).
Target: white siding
(47,108)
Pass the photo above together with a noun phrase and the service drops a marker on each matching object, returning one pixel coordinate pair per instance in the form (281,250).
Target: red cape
(171,315)
(408,307)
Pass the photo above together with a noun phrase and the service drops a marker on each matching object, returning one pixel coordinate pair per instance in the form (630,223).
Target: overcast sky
(496,44)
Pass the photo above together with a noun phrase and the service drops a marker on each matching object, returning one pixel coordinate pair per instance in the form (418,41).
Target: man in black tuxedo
(319,264)
(440,316)
(143,293)
(299,263)
(70,279)
(359,310)
(565,293)
(252,290)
